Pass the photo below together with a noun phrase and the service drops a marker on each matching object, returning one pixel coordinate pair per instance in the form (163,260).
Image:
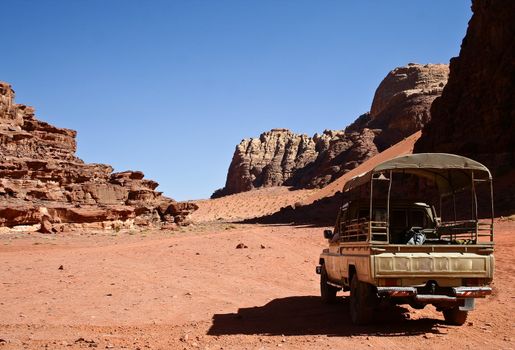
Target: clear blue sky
(170,87)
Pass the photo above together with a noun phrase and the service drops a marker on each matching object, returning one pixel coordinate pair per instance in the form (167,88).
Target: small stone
(61,267)
(241,246)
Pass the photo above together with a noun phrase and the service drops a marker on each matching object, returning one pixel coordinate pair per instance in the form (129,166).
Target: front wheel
(455,316)
(327,292)
(362,301)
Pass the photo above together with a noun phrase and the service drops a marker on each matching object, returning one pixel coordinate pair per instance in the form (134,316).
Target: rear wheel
(455,316)
(362,301)
(327,292)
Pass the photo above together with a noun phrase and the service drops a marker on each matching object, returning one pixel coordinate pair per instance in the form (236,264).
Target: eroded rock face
(402,102)
(270,159)
(280,157)
(43,181)
(342,152)
(475,116)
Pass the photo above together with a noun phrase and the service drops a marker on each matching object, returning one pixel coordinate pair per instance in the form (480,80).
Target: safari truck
(417,230)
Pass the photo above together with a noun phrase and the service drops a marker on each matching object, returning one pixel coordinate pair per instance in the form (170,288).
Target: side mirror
(328,234)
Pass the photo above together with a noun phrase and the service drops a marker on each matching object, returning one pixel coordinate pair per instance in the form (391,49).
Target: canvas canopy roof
(449,171)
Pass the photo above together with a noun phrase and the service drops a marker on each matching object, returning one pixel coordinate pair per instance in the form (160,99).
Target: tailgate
(436,264)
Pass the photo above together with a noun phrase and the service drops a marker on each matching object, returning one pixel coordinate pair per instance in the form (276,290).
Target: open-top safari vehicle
(413,231)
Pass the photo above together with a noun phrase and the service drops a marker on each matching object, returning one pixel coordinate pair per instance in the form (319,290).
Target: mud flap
(468,304)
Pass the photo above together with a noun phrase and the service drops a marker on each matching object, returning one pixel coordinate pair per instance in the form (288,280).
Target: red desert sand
(193,289)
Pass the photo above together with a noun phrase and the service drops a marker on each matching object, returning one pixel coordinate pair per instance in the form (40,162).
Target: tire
(362,301)
(327,292)
(455,316)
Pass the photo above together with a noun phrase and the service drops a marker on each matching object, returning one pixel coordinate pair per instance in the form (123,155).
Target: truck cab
(412,231)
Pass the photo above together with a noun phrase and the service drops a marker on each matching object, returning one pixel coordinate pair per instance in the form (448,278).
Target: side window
(353,229)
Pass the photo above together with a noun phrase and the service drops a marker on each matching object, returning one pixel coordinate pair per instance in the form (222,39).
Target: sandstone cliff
(475,116)
(402,101)
(281,157)
(270,159)
(42,181)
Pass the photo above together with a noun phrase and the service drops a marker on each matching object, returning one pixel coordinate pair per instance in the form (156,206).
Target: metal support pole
(388,209)
(474,202)
(492,201)
(369,237)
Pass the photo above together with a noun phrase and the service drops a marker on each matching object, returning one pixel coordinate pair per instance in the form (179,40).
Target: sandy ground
(248,205)
(193,289)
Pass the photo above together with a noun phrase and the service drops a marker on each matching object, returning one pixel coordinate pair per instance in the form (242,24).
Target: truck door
(335,261)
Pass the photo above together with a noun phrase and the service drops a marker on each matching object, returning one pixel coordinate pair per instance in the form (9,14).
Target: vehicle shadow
(307,315)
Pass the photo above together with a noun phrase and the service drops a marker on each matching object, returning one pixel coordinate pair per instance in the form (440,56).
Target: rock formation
(475,116)
(402,101)
(281,157)
(269,160)
(42,181)
(342,152)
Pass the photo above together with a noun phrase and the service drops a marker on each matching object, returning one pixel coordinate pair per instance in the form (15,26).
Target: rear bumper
(472,292)
(457,293)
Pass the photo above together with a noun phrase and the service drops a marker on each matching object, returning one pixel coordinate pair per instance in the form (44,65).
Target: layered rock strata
(401,104)
(475,116)
(280,157)
(42,181)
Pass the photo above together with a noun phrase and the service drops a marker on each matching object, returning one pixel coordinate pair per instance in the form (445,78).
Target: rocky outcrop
(280,157)
(342,152)
(402,101)
(43,181)
(475,116)
(270,159)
